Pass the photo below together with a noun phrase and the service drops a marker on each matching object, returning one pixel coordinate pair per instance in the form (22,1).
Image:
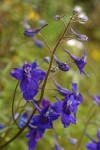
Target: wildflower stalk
(53,52)
(13,104)
(78,146)
(44,84)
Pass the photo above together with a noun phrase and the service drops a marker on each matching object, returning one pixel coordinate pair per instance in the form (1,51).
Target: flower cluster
(33,81)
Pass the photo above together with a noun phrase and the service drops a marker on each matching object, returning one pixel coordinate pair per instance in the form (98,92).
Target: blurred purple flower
(37,42)
(80,62)
(29,76)
(23,119)
(1,126)
(57,146)
(96,99)
(72,140)
(32,33)
(94,145)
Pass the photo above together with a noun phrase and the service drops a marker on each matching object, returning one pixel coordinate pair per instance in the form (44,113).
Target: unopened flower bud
(57,17)
(75,11)
(80,37)
(83,19)
(47,59)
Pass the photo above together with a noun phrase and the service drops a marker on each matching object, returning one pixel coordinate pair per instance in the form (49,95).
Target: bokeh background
(15,48)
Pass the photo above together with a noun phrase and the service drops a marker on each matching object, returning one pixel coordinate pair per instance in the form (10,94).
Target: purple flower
(61,66)
(33,136)
(37,42)
(96,99)
(32,33)
(57,146)
(23,119)
(44,120)
(65,109)
(94,145)
(29,76)
(80,62)
(80,37)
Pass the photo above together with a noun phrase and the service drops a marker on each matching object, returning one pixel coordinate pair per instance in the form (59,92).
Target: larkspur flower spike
(96,99)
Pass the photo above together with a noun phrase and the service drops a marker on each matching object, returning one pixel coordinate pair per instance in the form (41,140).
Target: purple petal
(57,107)
(79,62)
(38,74)
(60,89)
(29,89)
(74,87)
(45,102)
(35,120)
(72,56)
(17,73)
(33,136)
(31,144)
(44,110)
(53,116)
(91,146)
(34,65)
(67,119)
(37,42)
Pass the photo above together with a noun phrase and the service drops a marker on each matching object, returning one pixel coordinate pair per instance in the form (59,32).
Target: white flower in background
(75,43)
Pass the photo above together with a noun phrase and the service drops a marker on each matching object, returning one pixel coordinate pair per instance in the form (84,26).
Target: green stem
(45,42)
(53,52)
(13,100)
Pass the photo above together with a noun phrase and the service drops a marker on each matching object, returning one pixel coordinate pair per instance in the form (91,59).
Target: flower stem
(53,52)
(13,103)
(45,42)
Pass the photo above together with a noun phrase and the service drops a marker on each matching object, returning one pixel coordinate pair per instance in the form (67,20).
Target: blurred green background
(15,48)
